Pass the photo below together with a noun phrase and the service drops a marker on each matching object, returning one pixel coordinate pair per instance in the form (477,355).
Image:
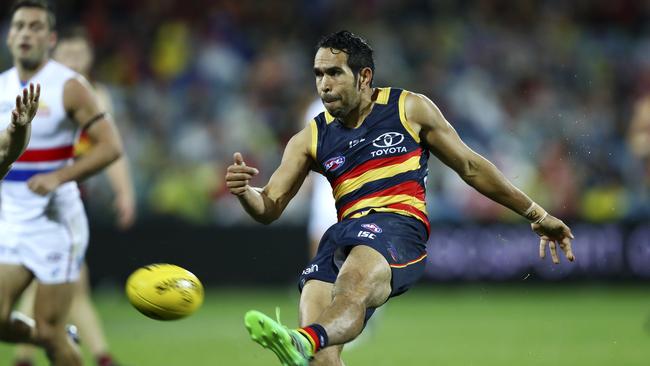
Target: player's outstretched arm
(80,102)
(15,138)
(266,204)
(443,141)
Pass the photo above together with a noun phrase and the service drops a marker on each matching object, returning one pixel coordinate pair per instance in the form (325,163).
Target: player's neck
(25,74)
(356,116)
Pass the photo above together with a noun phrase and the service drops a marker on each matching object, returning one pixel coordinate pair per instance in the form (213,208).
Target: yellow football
(164,291)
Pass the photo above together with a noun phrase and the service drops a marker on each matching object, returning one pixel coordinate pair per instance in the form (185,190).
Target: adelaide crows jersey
(380,166)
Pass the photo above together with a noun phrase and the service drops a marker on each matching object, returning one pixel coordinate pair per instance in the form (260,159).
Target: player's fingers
(553,246)
(565,244)
(237,184)
(238,176)
(25,96)
(33,186)
(38,93)
(542,247)
(242,169)
(570,234)
(14,116)
(19,103)
(238,191)
(239,160)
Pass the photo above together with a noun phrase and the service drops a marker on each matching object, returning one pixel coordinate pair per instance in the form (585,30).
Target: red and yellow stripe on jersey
(379,166)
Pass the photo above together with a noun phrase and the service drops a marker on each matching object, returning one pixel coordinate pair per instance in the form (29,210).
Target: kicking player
(44,226)
(372,144)
(74,50)
(14,139)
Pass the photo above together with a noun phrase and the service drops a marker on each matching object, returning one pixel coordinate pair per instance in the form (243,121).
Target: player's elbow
(469,170)
(113,151)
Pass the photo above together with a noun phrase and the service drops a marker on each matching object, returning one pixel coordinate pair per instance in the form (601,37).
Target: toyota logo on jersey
(388,139)
(334,163)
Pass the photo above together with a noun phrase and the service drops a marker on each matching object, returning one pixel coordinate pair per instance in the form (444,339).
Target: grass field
(432,325)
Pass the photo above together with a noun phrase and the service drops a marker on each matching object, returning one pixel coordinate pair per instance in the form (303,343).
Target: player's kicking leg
(363,282)
(316,296)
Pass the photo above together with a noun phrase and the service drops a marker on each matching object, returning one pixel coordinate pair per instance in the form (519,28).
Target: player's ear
(52,40)
(365,78)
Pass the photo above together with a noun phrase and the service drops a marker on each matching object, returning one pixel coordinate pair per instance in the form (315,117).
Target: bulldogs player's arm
(428,123)
(81,105)
(266,204)
(14,139)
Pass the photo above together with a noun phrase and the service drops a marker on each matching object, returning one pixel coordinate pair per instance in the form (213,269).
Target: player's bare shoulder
(422,112)
(77,91)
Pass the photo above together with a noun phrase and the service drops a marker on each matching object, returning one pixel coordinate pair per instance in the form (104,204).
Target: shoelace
(293,334)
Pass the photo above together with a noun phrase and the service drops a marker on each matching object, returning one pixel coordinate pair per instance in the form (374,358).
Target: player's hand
(43,184)
(125,211)
(553,232)
(238,175)
(26,106)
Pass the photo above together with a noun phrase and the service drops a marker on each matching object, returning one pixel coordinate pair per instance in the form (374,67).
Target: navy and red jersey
(380,166)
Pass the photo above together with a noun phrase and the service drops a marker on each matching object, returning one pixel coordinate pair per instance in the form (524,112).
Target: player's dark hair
(41,4)
(74,33)
(357,48)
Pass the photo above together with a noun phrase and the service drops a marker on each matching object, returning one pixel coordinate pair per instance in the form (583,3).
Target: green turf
(436,325)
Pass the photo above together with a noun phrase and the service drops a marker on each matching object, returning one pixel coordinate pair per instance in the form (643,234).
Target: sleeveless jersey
(50,146)
(380,166)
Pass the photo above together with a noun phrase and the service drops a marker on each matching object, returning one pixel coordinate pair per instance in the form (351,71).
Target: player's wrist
(535,213)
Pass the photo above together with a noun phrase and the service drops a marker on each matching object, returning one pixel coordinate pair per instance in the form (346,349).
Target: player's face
(336,83)
(75,54)
(30,38)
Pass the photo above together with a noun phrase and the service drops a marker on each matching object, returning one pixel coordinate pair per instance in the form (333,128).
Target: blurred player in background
(74,50)
(43,221)
(638,136)
(14,139)
(373,145)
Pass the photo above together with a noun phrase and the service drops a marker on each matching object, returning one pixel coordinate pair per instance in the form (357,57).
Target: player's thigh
(14,279)
(83,283)
(52,303)
(365,274)
(26,305)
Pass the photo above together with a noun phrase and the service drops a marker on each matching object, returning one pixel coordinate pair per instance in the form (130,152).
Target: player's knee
(49,334)
(361,288)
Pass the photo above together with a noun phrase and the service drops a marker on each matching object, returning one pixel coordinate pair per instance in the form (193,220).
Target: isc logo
(366,234)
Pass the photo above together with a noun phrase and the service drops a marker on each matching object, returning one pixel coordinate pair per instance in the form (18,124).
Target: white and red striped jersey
(50,147)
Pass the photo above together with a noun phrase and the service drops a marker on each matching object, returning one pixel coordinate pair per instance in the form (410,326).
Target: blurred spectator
(545,88)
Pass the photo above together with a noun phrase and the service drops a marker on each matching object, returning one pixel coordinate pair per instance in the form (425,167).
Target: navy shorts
(400,239)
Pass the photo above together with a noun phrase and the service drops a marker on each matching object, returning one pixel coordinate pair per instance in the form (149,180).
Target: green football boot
(291,347)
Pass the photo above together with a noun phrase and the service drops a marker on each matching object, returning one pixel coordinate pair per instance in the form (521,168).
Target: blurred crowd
(551,91)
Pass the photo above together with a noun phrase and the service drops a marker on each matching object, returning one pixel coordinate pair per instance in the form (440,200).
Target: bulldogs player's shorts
(52,248)
(322,213)
(400,239)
